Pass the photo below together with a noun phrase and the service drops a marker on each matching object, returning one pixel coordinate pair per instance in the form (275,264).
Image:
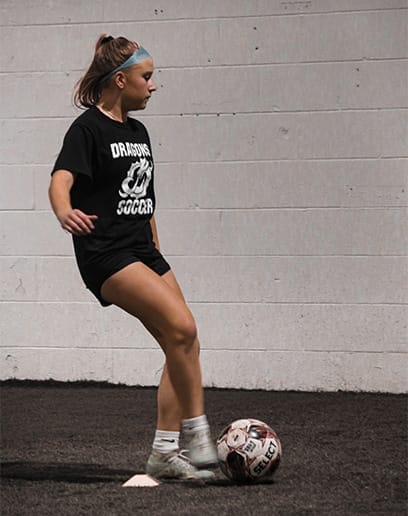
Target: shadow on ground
(62,472)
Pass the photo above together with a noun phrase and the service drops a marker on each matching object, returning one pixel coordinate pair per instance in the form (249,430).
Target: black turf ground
(67,448)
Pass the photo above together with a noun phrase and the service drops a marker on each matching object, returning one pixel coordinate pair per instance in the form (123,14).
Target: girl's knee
(183,333)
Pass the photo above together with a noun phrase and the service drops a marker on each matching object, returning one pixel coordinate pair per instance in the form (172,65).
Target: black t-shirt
(114,168)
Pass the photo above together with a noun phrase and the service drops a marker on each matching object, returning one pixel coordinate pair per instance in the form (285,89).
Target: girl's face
(138,85)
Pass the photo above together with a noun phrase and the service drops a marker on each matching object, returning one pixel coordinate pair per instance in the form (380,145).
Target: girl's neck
(113,112)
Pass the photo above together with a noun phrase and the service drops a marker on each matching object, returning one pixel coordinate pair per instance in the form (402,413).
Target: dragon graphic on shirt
(133,190)
(137,180)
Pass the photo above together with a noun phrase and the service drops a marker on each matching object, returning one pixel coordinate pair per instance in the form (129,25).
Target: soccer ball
(248,450)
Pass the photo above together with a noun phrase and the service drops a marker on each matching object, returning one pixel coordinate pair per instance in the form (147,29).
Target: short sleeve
(77,151)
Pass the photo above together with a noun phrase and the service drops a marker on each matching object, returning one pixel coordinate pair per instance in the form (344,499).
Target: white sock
(166,441)
(195,423)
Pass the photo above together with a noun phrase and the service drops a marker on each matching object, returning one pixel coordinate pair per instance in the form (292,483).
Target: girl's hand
(77,222)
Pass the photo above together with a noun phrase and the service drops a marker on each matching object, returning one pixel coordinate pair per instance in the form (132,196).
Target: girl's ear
(120,80)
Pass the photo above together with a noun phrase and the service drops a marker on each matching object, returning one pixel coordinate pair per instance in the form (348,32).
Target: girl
(101,192)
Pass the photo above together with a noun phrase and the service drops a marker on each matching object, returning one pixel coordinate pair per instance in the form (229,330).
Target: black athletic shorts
(99,270)
(97,266)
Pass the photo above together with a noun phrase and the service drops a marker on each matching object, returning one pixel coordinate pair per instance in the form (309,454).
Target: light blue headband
(137,57)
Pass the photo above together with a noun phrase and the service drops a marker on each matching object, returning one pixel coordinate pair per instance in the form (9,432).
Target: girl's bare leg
(158,303)
(169,411)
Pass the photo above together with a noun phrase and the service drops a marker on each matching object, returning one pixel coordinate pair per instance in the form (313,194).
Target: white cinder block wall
(280,136)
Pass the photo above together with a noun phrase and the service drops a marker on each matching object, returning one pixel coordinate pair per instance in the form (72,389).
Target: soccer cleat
(201,450)
(174,466)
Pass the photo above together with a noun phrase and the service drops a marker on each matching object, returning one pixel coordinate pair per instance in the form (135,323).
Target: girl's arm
(155,234)
(72,220)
